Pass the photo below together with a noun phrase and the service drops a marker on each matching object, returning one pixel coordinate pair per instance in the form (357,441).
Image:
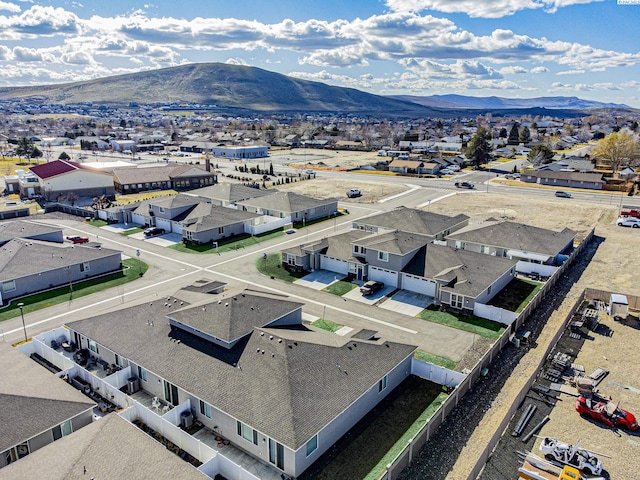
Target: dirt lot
(312,157)
(612,347)
(329,188)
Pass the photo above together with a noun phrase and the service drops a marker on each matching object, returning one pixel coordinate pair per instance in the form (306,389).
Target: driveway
(319,279)
(407,303)
(368,299)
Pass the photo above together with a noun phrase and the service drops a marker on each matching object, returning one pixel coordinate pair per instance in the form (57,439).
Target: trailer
(618,306)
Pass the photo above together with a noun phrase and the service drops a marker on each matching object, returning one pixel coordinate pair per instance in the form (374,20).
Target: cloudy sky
(511,48)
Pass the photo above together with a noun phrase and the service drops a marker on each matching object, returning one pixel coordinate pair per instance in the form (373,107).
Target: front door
(171,393)
(276,454)
(360,273)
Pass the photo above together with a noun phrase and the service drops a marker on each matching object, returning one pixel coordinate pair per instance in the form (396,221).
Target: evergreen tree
(525,135)
(479,148)
(514,135)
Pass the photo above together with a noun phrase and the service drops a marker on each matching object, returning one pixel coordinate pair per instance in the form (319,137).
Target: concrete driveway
(165,240)
(407,303)
(368,299)
(319,279)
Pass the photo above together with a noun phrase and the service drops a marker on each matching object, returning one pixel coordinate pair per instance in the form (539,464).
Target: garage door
(166,224)
(418,285)
(334,265)
(386,276)
(137,219)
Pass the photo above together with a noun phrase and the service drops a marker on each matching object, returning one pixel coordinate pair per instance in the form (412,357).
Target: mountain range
(254,89)
(502,103)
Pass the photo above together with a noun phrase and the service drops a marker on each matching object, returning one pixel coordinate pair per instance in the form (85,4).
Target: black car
(152,231)
(468,185)
(371,287)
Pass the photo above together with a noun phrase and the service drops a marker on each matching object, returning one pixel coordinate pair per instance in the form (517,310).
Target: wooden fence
(405,457)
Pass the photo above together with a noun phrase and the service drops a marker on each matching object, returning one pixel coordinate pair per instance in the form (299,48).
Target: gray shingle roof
(22,229)
(574,176)
(233,316)
(473,272)
(20,258)
(416,221)
(517,236)
(110,448)
(277,382)
(340,246)
(32,399)
(396,242)
(287,202)
(206,216)
(230,192)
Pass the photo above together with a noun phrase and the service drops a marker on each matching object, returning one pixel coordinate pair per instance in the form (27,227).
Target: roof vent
(279,340)
(262,352)
(262,334)
(219,302)
(270,337)
(226,304)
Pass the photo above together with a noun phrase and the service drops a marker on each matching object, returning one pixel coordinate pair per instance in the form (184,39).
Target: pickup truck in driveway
(371,287)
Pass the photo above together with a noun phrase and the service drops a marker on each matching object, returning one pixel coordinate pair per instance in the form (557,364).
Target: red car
(77,239)
(630,213)
(606,412)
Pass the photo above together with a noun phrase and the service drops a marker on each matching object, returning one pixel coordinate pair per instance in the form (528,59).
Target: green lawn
(131,231)
(272,267)
(97,223)
(435,359)
(517,295)
(376,440)
(230,244)
(133,269)
(402,442)
(340,287)
(473,324)
(327,325)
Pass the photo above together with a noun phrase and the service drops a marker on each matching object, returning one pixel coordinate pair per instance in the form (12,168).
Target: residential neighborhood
(269,313)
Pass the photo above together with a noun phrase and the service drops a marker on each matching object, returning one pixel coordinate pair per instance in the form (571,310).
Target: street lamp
(24,327)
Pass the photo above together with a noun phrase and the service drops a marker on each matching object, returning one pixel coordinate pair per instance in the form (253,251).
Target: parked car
(152,231)
(446,171)
(454,168)
(371,287)
(606,412)
(571,455)
(632,222)
(353,193)
(468,185)
(77,239)
(562,194)
(630,213)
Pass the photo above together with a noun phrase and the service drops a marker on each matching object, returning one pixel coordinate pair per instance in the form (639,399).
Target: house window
(119,361)
(456,300)
(484,249)
(382,384)
(489,290)
(161,209)
(9,286)
(460,245)
(220,229)
(142,373)
(276,454)
(312,445)
(93,346)
(248,433)
(383,256)
(85,267)
(61,430)
(205,409)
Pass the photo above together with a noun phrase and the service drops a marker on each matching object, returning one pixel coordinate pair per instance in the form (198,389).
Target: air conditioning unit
(186,419)
(133,385)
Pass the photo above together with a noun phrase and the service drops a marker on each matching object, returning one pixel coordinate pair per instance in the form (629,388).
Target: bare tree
(616,148)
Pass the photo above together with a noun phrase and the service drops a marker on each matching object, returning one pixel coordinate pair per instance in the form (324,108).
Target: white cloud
(236,61)
(539,70)
(513,70)
(483,9)
(10,7)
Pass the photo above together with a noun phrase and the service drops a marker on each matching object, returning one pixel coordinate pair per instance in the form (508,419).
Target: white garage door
(137,219)
(386,276)
(166,224)
(418,285)
(334,265)
(176,227)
